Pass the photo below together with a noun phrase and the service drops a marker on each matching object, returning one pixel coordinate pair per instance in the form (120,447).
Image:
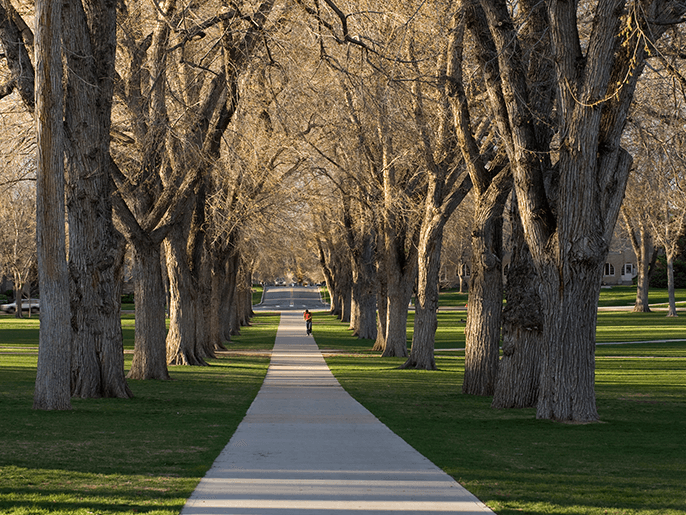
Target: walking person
(308,321)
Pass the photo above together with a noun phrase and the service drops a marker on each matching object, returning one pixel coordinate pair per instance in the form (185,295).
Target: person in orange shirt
(308,321)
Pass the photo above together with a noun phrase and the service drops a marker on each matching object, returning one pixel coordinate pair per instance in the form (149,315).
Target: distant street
(291,298)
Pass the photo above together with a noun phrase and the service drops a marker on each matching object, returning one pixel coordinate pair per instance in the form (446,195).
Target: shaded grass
(143,455)
(20,332)
(632,463)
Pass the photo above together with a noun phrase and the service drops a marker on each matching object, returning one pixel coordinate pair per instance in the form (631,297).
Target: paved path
(297,298)
(307,447)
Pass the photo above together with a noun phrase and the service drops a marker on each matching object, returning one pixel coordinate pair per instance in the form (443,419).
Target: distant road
(291,298)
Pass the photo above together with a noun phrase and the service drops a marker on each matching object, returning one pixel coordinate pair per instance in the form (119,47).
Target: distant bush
(659,276)
(3,298)
(127,299)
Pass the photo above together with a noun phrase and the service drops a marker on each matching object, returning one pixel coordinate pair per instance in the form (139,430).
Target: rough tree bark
(401,269)
(150,357)
(491,185)
(519,368)
(568,228)
(445,192)
(485,305)
(52,390)
(381,303)
(95,264)
(361,239)
(182,345)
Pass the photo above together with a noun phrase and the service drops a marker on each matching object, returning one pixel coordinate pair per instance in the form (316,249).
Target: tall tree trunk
(645,260)
(670,284)
(400,277)
(97,368)
(204,314)
(52,390)
(567,389)
(364,289)
(482,346)
(426,304)
(462,277)
(95,255)
(345,289)
(644,250)
(182,348)
(150,352)
(219,293)
(19,286)
(401,272)
(230,298)
(399,294)
(519,369)
(382,306)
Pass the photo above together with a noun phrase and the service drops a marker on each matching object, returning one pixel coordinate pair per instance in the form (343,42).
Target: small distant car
(33,305)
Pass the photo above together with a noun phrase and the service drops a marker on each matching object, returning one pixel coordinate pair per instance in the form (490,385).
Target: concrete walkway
(307,447)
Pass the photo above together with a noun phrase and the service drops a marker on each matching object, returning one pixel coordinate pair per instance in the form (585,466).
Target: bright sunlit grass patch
(626,326)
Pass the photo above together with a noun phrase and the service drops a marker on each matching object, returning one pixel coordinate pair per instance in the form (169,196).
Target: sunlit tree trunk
(644,250)
(52,390)
(219,292)
(181,342)
(400,276)
(150,355)
(426,306)
(95,256)
(670,284)
(363,291)
(382,305)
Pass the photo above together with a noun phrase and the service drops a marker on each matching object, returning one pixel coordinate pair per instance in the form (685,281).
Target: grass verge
(631,463)
(106,456)
(612,326)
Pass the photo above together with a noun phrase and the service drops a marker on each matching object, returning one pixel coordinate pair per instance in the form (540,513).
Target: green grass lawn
(452,298)
(609,297)
(631,463)
(626,296)
(143,455)
(612,326)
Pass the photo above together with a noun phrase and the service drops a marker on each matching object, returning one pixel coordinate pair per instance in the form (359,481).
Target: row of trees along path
(187,128)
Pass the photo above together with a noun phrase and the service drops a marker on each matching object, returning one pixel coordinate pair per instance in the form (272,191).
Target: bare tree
(18,232)
(568,227)
(636,219)
(94,260)
(447,186)
(653,206)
